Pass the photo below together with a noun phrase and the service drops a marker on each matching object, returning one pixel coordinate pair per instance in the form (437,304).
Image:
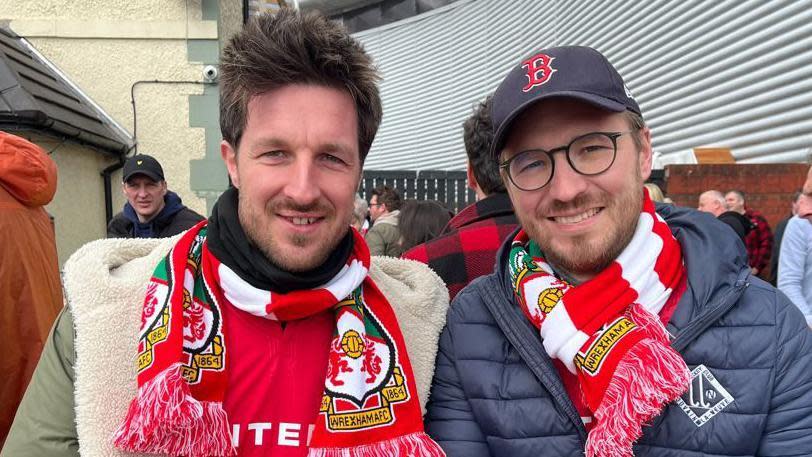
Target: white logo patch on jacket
(706,397)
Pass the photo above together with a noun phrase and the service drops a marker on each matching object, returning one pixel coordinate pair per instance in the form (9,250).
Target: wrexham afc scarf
(606,330)
(369,407)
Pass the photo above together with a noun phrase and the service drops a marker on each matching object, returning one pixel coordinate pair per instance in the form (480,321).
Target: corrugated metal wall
(706,73)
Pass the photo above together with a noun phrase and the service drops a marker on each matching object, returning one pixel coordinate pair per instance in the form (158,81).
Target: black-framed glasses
(589,155)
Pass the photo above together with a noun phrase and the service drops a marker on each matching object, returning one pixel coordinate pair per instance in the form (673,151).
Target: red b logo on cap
(538,69)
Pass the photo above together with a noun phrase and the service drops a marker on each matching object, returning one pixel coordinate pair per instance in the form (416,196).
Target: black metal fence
(447,187)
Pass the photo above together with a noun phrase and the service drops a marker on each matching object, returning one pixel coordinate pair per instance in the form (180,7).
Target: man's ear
(645,155)
(469,171)
(229,155)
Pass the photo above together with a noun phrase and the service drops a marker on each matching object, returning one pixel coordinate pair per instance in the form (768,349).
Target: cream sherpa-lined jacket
(105,283)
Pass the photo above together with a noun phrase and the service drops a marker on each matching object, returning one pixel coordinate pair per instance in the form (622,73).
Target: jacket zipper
(692,331)
(532,353)
(545,372)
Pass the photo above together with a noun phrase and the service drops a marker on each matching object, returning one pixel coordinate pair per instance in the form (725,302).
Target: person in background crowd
(713,202)
(359,215)
(759,241)
(151,211)
(30,291)
(466,248)
(779,235)
(655,192)
(384,210)
(795,259)
(268,329)
(421,221)
(611,328)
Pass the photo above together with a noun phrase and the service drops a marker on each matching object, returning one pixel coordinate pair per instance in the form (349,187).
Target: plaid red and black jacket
(466,248)
(759,241)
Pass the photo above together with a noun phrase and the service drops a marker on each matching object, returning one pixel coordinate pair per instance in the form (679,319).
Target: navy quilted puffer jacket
(497,393)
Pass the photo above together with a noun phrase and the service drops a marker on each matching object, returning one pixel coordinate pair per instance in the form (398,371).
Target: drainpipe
(108,187)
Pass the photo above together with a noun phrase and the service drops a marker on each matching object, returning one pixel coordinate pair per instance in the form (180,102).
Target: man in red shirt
(466,249)
(266,330)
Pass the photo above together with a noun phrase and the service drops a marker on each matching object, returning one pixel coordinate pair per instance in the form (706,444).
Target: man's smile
(575,218)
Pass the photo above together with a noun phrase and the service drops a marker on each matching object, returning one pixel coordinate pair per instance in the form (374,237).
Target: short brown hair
(477,134)
(291,47)
(388,196)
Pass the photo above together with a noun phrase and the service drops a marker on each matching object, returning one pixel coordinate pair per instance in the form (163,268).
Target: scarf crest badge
(369,406)
(361,345)
(203,342)
(545,286)
(607,330)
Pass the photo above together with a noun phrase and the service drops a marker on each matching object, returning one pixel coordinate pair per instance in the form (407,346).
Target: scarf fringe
(414,445)
(648,377)
(165,419)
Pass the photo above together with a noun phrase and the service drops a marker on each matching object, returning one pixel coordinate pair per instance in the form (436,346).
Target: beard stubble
(252,222)
(585,255)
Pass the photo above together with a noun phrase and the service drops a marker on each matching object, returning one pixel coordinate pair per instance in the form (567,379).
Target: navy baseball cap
(142,164)
(568,71)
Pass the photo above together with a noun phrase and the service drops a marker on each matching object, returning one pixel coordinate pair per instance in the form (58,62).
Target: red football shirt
(276,380)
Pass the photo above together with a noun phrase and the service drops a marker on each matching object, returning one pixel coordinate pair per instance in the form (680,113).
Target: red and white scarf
(369,408)
(606,330)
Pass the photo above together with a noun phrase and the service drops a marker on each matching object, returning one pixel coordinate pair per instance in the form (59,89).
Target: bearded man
(266,330)
(611,326)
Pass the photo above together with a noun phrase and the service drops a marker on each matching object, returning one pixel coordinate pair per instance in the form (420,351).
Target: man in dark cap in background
(151,211)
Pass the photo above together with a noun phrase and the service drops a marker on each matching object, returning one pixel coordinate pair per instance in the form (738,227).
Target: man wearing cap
(611,327)
(151,211)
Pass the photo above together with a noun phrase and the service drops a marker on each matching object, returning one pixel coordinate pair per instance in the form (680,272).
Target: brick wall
(768,188)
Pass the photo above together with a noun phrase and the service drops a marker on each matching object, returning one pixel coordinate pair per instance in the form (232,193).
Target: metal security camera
(210,73)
